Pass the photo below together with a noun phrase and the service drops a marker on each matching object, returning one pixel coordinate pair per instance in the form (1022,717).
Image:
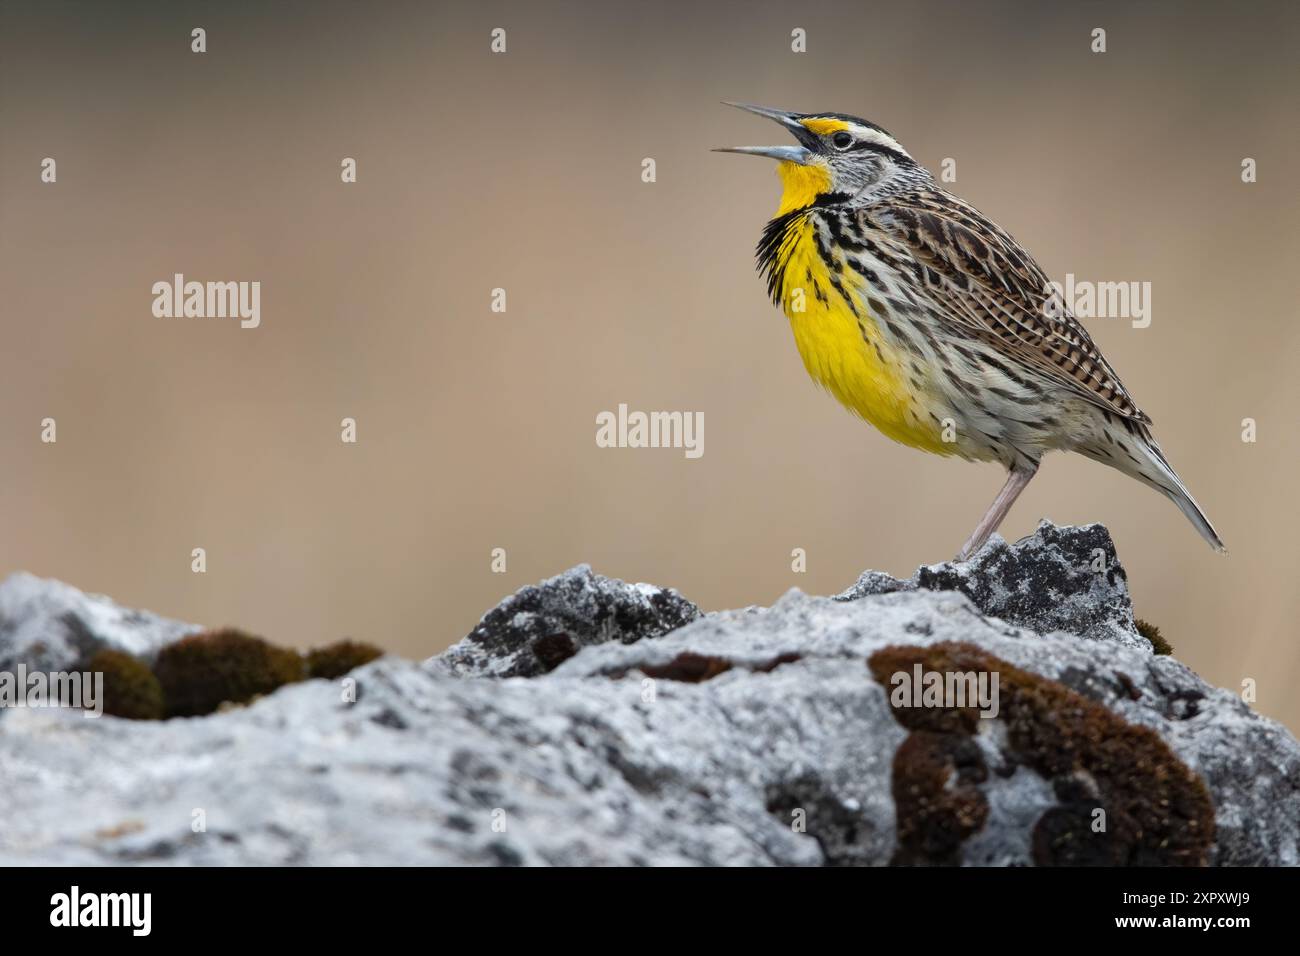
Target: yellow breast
(846,353)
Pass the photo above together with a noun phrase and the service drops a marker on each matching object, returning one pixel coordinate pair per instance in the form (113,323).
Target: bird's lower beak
(789,154)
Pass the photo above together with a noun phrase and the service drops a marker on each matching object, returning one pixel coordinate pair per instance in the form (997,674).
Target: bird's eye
(842,140)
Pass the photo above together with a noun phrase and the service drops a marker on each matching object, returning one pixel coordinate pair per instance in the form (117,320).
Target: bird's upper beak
(790,154)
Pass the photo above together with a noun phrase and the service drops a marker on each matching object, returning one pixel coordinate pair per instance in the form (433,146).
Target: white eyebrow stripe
(880,139)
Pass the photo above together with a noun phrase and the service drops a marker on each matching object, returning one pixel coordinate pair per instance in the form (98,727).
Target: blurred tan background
(476,430)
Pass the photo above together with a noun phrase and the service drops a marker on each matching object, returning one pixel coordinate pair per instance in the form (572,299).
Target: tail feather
(1129,447)
(1159,474)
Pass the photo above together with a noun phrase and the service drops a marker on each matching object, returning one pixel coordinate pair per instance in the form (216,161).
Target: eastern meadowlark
(925,318)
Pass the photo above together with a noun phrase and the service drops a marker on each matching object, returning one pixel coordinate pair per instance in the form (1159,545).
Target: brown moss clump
(1157,811)
(203,671)
(1152,634)
(689,667)
(334,660)
(130,688)
(935,816)
(692,668)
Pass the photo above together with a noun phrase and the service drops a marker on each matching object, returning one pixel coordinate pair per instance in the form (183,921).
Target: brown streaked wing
(995,291)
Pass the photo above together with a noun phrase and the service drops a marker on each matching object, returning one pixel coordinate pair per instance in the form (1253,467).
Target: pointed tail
(1127,445)
(1156,471)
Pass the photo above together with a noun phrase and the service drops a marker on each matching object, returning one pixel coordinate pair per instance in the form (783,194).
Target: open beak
(789,154)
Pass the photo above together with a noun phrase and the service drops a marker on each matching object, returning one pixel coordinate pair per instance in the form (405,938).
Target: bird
(929,321)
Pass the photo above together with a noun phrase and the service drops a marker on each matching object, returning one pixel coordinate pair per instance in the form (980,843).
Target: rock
(763,736)
(51,626)
(1057,579)
(540,626)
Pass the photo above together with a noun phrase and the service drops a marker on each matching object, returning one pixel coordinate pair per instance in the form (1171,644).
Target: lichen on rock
(1057,579)
(614,724)
(540,626)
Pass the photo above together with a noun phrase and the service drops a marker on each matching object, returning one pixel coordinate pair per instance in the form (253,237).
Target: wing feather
(995,292)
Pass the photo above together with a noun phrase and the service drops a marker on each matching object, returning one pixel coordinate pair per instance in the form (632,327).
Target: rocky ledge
(588,721)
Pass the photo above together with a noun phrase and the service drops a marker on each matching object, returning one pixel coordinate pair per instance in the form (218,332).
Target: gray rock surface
(50,625)
(758,736)
(540,626)
(1057,579)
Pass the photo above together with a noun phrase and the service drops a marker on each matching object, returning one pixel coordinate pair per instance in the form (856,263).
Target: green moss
(130,688)
(1152,634)
(203,671)
(1157,811)
(334,660)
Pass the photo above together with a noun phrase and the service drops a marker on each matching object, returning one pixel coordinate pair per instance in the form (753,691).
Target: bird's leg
(1016,482)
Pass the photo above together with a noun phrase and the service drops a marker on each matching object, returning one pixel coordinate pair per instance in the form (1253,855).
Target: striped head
(838,158)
